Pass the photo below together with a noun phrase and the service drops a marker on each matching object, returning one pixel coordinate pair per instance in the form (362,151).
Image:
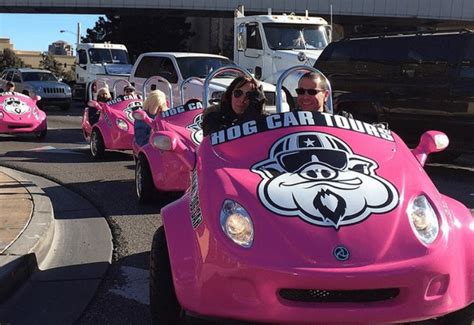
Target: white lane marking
(136,286)
(61,150)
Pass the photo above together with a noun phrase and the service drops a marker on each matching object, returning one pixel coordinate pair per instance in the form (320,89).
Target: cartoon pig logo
(15,106)
(318,178)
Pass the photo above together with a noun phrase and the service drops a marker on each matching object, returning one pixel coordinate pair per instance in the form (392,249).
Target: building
(33,58)
(60,48)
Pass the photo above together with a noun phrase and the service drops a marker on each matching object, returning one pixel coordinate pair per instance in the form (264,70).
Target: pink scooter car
(19,114)
(311,218)
(158,170)
(112,128)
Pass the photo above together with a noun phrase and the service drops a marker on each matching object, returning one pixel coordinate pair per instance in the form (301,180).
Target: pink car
(19,114)
(311,218)
(158,170)
(110,125)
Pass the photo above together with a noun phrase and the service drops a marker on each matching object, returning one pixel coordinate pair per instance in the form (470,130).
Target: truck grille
(50,90)
(319,295)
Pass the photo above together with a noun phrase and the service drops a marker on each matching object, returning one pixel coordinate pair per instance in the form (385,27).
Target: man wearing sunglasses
(312,92)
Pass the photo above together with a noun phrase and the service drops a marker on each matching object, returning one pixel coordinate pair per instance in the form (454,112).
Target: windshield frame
(41,76)
(274,33)
(102,55)
(190,66)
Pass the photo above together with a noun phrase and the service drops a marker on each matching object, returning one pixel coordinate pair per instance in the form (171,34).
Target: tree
(48,62)
(9,59)
(155,33)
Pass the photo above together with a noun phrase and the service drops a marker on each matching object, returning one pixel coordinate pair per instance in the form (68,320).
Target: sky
(34,32)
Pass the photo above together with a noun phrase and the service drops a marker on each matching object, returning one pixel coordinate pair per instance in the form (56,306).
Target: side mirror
(141,115)
(430,141)
(169,141)
(37,98)
(93,103)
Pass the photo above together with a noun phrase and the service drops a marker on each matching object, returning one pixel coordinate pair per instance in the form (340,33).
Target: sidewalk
(26,229)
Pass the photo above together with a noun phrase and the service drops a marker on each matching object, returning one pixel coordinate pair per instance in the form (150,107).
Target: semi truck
(104,61)
(268,44)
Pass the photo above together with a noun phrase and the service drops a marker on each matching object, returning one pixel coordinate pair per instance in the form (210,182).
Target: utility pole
(78,35)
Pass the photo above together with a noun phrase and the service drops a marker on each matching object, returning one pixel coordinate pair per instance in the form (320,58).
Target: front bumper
(410,290)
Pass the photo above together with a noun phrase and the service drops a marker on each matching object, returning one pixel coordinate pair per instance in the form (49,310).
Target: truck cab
(100,61)
(268,44)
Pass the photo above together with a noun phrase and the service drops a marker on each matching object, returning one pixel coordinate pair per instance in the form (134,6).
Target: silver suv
(39,82)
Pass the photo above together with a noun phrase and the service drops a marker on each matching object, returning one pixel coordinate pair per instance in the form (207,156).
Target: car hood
(306,214)
(46,84)
(121,69)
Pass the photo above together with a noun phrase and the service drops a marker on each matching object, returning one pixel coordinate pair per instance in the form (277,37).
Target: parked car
(38,82)
(177,67)
(415,82)
(19,115)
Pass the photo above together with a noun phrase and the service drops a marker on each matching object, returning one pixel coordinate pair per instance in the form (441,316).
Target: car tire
(145,189)
(164,305)
(97,146)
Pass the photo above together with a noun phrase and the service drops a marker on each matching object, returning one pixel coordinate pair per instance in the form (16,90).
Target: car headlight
(67,90)
(423,219)
(236,223)
(161,142)
(122,124)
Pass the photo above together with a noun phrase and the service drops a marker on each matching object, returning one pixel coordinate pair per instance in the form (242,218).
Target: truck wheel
(143,181)
(164,305)
(97,144)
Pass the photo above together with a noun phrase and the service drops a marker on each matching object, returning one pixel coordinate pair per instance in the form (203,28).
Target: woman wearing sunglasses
(312,92)
(242,101)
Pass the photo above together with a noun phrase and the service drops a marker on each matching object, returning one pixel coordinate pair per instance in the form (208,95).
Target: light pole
(78,34)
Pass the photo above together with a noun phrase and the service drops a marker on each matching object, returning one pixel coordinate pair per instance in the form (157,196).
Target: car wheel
(143,181)
(97,144)
(164,305)
(40,135)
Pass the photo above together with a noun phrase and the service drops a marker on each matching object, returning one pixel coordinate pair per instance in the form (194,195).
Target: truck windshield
(108,56)
(295,37)
(200,66)
(38,76)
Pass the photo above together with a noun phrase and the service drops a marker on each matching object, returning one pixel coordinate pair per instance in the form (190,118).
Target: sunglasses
(312,92)
(238,93)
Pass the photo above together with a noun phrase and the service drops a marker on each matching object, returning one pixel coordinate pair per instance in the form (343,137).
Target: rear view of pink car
(157,169)
(19,114)
(109,126)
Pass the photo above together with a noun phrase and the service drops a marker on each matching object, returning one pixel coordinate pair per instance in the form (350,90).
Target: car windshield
(108,56)
(200,66)
(38,76)
(295,37)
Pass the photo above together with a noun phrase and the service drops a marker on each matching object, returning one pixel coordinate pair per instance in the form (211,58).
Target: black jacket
(219,117)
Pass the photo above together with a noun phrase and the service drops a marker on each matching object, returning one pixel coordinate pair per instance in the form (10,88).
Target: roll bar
(159,79)
(181,87)
(205,94)
(114,86)
(286,73)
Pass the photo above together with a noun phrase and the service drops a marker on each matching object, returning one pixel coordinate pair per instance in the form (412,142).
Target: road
(63,156)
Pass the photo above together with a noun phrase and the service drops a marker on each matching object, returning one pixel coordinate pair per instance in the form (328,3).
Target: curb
(24,255)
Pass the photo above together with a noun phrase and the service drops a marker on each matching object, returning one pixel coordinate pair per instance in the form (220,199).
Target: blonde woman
(155,103)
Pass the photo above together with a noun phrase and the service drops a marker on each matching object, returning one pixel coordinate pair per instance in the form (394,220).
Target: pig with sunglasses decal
(242,101)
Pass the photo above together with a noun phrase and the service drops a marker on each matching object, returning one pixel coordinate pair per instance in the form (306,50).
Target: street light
(77,34)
